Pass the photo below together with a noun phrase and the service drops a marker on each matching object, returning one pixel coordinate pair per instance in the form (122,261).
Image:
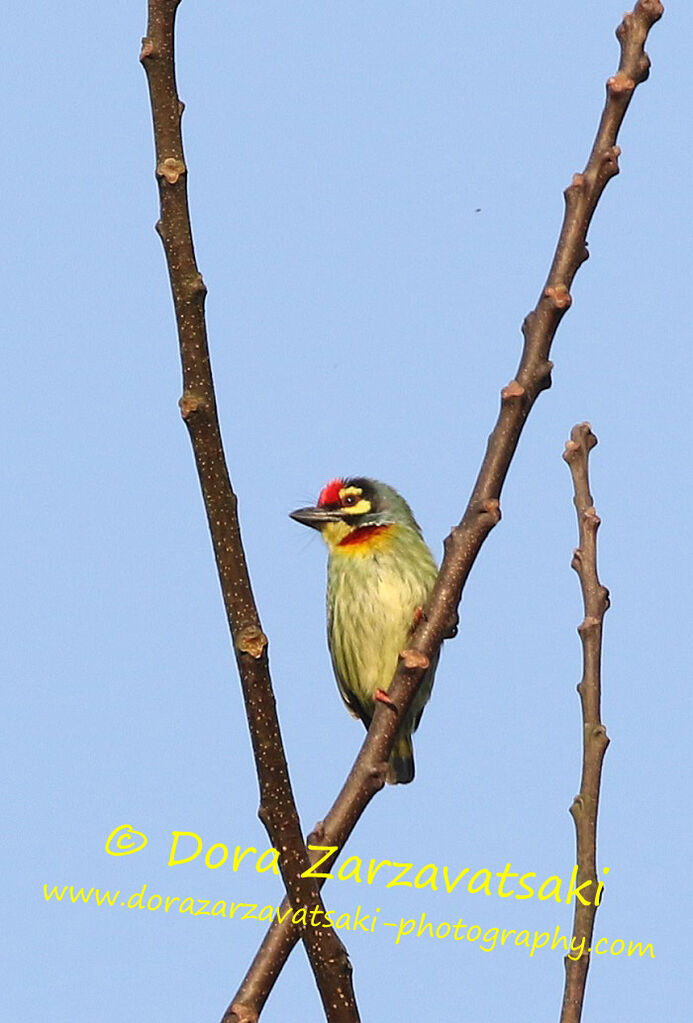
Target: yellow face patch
(350,492)
(334,532)
(361,507)
(350,505)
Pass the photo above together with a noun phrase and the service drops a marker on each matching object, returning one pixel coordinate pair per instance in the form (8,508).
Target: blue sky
(376,193)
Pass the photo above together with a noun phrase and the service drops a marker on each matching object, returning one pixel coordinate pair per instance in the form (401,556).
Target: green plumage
(379,572)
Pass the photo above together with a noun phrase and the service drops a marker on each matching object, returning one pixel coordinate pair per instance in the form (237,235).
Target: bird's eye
(350,500)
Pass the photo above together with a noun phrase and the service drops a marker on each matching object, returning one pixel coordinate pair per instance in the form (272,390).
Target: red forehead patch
(330,493)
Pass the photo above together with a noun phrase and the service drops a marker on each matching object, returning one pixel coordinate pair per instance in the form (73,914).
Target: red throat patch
(330,493)
(363,535)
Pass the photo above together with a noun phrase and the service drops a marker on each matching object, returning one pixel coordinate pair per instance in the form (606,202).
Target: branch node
(377,775)
(528,324)
(592,520)
(585,430)
(559,296)
(490,507)
(237,1013)
(147,49)
(653,10)
(577,807)
(619,84)
(513,391)
(451,627)
(414,660)
(454,537)
(251,640)
(588,623)
(170,169)
(599,732)
(643,71)
(317,834)
(647,11)
(575,189)
(190,403)
(581,439)
(194,285)
(544,375)
(610,161)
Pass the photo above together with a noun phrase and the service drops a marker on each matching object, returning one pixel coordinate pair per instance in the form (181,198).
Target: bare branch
(586,804)
(483,510)
(278,813)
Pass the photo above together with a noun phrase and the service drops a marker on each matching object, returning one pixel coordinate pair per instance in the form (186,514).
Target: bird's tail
(401,766)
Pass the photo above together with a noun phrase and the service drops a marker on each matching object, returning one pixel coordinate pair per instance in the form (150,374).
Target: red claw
(381,696)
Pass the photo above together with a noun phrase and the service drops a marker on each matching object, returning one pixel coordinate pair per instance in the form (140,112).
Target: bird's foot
(378,774)
(381,696)
(419,613)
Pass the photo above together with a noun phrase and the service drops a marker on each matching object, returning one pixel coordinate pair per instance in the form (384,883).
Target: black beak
(316,518)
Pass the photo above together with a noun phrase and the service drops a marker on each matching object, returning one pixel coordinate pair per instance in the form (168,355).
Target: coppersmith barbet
(379,575)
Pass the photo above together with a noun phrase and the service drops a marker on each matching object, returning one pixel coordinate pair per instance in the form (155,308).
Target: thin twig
(483,510)
(594,738)
(277,811)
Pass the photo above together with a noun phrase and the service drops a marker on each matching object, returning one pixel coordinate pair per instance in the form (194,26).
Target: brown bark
(594,743)
(483,510)
(328,957)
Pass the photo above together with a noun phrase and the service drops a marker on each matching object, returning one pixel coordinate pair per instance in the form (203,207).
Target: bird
(380,573)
